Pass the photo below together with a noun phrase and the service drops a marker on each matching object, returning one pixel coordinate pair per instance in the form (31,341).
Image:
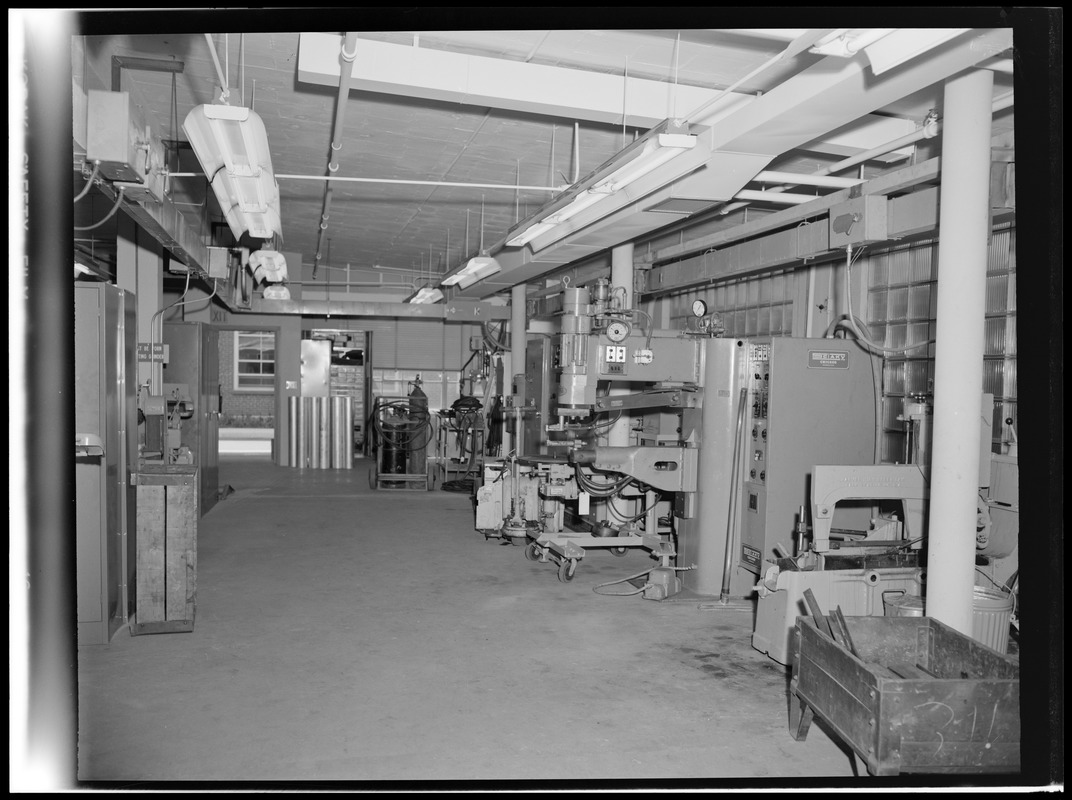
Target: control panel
(811,401)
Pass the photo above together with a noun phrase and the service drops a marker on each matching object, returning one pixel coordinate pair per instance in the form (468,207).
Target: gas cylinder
(417,450)
(394,430)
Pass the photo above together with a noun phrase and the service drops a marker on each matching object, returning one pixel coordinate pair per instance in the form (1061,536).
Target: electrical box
(810,401)
(219,263)
(115,137)
(859,221)
(118,138)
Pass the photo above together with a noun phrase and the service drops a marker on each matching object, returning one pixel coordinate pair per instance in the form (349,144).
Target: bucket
(902,604)
(991,617)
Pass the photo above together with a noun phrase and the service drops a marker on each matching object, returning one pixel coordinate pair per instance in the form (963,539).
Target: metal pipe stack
(321,433)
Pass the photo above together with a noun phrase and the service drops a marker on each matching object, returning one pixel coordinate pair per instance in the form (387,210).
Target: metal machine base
(858,592)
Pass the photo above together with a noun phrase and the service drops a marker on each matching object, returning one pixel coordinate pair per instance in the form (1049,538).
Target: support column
(621,270)
(621,274)
(518,339)
(139,269)
(964,225)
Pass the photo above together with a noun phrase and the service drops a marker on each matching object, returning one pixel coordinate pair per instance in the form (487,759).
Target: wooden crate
(916,697)
(166,570)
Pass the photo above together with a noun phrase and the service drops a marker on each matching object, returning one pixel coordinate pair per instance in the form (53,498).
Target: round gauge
(617,331)
(699,308)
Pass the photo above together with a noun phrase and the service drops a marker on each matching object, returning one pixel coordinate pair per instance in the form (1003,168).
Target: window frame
(236,381)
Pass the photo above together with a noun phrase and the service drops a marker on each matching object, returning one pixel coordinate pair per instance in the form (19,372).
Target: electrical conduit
(348,53)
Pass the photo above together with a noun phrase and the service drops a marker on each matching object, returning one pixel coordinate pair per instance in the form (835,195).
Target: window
(902,310)
(254,361)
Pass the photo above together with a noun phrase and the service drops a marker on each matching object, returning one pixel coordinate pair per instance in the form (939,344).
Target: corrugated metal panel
(381,344)
(453,337)
(419,344)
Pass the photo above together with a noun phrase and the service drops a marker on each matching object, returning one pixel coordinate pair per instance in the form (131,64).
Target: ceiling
(479,129)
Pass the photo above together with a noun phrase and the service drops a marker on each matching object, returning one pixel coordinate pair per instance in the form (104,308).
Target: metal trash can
(991,617)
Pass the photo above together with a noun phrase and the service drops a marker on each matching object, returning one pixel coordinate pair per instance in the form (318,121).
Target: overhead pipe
(511,186)
(776,196)
(776,176)
(799,44)
(348,53)
(931,127)
(964,223)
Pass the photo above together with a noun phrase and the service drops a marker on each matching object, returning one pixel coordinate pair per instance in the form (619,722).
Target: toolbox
(908,695)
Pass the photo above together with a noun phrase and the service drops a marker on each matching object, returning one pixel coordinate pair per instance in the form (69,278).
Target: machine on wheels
(401,430)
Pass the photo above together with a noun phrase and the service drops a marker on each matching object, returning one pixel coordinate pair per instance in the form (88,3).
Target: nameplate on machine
(828,359)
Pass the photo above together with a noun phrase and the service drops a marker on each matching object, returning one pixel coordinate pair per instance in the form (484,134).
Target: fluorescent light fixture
(276,291)
(905,44)
(426,294)
(476,269)
(269,266)
(231,144)
(655,153)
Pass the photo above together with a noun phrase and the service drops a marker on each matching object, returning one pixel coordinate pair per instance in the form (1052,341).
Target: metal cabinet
(194,362)
(105,453)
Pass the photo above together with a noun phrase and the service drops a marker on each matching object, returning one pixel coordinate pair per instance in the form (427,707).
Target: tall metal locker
(106,443)
(194,360)
(811,401)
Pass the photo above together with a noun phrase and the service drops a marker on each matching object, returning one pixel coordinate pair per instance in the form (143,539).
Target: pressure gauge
(699,308)
(617,331)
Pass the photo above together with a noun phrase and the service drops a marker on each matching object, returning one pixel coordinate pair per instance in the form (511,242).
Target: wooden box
(166,579)
(916,697)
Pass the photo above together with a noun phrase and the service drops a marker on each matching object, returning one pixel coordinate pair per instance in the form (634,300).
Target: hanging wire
(118,200)
(89,183)
(851,320)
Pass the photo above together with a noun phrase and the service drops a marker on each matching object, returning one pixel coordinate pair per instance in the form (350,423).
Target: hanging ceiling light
(426,294)
(231,144)
(476,269)
(628,167)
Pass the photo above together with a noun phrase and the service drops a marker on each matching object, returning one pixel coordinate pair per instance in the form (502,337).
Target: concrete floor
(344,634)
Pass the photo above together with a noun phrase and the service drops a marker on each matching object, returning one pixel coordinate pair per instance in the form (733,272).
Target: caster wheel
(372,479)
(567,569)
(619,551)
(532,551)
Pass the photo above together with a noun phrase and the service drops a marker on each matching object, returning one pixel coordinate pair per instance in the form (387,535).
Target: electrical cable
(89,182)
(877,348)
(643,588)
(118,200)
(600,490)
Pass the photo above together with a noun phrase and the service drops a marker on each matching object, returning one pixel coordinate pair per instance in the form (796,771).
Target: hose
(118,201)
(89,182)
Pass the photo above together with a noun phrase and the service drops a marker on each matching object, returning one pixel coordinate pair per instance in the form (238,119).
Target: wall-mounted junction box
(861,220)
(118,138)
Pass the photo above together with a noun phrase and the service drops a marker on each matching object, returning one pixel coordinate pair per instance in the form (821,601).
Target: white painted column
(518,339)
(621,270)
(964,225)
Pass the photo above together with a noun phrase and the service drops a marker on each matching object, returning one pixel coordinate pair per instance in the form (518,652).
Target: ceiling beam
(574,94)
(449,77)
(820,99)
